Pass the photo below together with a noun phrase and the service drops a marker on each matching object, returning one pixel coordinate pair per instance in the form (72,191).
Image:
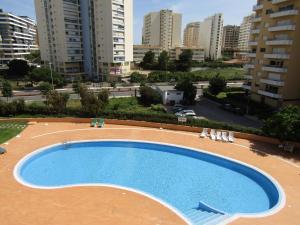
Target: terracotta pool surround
(102,205)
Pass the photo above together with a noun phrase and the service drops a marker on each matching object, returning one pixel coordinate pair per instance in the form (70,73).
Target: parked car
(177,108)
(186,113)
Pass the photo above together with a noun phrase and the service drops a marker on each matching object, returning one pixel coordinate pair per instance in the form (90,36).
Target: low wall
(250,137)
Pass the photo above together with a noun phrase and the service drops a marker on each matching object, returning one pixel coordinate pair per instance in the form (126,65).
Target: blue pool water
(183,178)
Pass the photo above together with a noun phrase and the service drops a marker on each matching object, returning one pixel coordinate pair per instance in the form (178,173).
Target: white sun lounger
(231,137)
(213,134)
(219,136)
(204,133)
(224,136)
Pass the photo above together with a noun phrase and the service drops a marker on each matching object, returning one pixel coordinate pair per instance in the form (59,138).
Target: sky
(192,10)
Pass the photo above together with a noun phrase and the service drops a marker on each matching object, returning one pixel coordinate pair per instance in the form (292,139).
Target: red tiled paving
(101,205)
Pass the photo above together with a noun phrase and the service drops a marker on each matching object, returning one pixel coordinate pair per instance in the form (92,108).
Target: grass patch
(9,130)
(128,105)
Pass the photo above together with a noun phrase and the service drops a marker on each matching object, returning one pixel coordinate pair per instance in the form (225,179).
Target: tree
(45,87)
(148,61)
(136,77)
(6,90)
(91,104)
(18,68)
(217,84)
(189,90)
(185,61)
(57,102)
(76,87)
(284,125)
(163,61)
(103,97)
(149,96)
(44,74)
(34,56)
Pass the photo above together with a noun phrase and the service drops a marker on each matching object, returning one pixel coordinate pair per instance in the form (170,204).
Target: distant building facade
(207,34)
(230,38)
(139,52)
(162,29)
(192,35)
(18,36)
(245,28)
(198,53)
(86,37)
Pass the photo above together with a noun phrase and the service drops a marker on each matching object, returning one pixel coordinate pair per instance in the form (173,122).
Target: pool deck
(22,205)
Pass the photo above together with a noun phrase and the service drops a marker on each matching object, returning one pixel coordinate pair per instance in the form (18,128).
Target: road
(119,92)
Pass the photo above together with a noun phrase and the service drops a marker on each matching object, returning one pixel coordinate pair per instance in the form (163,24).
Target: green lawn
(130,104)
(228,73)
(10,130)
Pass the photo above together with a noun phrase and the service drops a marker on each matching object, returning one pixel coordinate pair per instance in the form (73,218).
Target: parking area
(212,111)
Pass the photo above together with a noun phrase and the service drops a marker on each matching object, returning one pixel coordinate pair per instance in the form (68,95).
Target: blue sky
(192,10)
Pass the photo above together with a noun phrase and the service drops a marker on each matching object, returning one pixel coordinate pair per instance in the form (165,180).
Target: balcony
(270,94)
(275,69)
(251,55)
(255,31)
(279,42)
(290,12)
(257,19)
(278,1)
(282,27)
(253,43)
(248,77)
(277,56)
(249,66)
(247,86)
(278,83)
(258,7)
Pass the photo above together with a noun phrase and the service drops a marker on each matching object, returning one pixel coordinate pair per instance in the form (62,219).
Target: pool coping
(280,205)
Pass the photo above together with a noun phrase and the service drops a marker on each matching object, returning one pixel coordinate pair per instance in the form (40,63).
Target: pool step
(202,217)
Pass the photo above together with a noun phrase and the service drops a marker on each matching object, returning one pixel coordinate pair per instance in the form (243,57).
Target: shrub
(217,84)
(189,90)
(149,96)
(137,77)
(285,124)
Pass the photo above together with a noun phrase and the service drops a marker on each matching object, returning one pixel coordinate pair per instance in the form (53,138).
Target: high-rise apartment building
(230,38)
(192,35)
(162,29)
(86,37)
(18,37)
(207,34)
(211,35)
(273,73)
(244,36)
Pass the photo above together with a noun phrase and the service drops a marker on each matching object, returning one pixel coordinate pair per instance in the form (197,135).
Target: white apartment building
(211,35)
(162,29)
(139,52)
(18,37)
(86,37)
(245,28)
(192,35)
(207,34)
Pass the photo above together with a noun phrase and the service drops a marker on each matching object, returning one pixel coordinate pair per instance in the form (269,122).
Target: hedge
(43,111)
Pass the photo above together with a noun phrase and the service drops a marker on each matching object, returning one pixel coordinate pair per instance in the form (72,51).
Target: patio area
(102,205)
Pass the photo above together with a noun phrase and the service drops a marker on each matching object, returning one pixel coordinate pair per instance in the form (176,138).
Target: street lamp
(50,65)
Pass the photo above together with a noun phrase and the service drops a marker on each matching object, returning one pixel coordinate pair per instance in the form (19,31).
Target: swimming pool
(201,187)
